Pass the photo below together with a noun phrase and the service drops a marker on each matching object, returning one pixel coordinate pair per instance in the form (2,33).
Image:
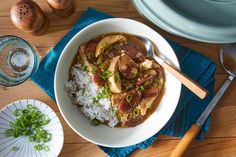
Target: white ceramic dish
(103,135)
(23,146)
(209,21)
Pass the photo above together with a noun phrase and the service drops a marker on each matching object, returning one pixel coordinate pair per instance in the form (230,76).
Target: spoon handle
(185,80)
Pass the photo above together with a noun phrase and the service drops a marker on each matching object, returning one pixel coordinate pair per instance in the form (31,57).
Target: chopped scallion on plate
(29,122)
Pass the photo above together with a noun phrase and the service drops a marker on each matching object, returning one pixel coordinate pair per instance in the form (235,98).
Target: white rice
(101,110)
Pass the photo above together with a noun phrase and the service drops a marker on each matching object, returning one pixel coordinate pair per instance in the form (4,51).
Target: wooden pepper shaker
(62,8)
(29,17)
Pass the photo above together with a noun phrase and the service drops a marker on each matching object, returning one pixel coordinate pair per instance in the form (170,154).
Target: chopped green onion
(95,122)
(44,119)
(141,88)
(117,76)
(46,148)
(38,147)
(82,90)
(114,112)
(30,138)
(105,75)
(29,122)
(25,111)
(49,136)
(104,65)
(100,60)
(17,112)
(128,98)
(136,112)
(84,68)
(105,94)
(29,106)
(8,133)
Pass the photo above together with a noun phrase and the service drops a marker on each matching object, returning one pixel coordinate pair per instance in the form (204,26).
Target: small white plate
(26,148)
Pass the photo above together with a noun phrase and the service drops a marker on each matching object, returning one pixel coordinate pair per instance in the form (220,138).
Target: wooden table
(219,142)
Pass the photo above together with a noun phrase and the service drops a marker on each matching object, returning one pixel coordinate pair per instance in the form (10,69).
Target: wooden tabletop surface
(220,141)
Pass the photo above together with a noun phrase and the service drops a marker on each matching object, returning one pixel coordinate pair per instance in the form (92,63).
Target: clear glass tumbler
(18,60)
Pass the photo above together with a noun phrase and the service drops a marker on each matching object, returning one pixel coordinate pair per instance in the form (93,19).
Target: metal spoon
(185,80)
(228,62)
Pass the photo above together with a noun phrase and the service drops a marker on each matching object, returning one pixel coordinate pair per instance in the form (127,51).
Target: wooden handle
(185,141)
(185,80)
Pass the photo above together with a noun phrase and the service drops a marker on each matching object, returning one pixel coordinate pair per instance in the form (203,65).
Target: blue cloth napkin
(199,68)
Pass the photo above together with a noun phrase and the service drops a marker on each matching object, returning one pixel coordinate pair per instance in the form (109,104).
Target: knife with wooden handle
(191,134)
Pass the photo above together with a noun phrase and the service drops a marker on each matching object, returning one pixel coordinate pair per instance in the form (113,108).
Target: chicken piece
(145,65)
(107,41)
(114,84)
(116,98)
(148,77)
(145,104)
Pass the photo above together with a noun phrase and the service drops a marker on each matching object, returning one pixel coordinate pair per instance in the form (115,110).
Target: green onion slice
(95,122)
(17,112)
(128,98)
(141,88)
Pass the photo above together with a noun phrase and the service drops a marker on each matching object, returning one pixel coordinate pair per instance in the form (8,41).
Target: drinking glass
(18,60)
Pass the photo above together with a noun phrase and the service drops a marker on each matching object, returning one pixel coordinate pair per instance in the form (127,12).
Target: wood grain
(220,141)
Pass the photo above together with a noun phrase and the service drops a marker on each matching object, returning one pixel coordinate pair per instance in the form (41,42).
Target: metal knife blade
(214,101)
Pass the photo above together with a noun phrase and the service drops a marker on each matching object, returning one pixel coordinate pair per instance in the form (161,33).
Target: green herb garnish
(104,65)
(29,122)
(95,122)
(38,147)
(136,112)
(17,112)
(100,60)
(105,75)
(128,98)
(117,76)
(141,88)
(84,68)
(114,112)
(82,90)
(105,94)
(46,148)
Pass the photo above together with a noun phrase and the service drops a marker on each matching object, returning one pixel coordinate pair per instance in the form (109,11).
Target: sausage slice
(127,67)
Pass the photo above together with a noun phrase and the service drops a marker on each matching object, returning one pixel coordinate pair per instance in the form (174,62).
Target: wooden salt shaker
(62,8)
(29,17)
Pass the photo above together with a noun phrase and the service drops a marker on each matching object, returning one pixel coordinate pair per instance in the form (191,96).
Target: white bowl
(102,134)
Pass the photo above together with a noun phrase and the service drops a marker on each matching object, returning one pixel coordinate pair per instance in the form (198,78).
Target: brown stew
(119,62)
